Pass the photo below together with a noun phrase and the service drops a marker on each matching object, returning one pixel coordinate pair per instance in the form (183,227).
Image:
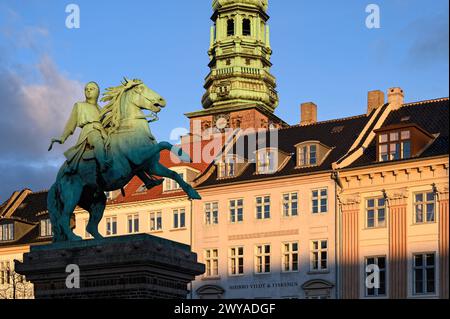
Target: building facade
(347,208)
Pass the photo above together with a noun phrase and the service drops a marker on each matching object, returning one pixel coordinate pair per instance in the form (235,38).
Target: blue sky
(323,52)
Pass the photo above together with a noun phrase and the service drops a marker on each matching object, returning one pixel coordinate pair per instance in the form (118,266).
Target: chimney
(396,97)
(375,99)
(308,113)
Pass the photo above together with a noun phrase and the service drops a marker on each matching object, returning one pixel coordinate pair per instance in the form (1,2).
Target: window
(179,218)
(380,262)
(45,228)
(212,262)
(236,210)
(424,274)
(290,257)
(230,27)
(290,204)
(376,212)
(319,255)
(155,221)
(262,256)
(7,232)
(263,207)
(320,201)
(424,207)
(212,213)
(141,189)
(394,145)
(246,27)
(227,169)
(87,235)
(236,261)
(307,155)
(171,185)
(5,273)
(111,226)
(267,162)
(133,223)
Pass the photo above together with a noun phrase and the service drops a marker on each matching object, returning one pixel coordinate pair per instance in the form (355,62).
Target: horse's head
(145,98)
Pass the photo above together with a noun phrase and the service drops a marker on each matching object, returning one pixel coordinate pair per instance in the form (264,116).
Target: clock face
(221,123)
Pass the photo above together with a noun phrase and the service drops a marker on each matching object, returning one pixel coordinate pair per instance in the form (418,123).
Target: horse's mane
(110,114)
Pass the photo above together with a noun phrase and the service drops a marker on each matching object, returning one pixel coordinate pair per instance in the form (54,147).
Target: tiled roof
(431,115)
(337,134)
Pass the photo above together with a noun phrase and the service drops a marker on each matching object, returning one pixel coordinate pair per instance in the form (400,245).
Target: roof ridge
(325,121)
(426,101)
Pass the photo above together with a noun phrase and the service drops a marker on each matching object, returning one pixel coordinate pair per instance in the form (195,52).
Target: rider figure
(86,115)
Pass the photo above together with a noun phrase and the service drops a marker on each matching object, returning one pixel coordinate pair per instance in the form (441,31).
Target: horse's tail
(176,150)
(55,207)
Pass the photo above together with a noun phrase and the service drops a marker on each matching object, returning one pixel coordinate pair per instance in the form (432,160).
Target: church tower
(240,90)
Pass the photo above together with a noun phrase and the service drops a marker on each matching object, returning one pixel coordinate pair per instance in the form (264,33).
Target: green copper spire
(240,57)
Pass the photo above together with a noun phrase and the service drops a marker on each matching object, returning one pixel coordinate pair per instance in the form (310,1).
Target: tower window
(246,27)
(230,27)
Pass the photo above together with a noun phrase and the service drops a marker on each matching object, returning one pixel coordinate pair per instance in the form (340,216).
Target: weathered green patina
(115,145)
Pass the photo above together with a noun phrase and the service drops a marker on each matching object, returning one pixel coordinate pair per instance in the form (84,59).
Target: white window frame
(45,228)
(318,251)
(424,269)
(235,257)
(171,185)
(234,208)
(5,272)
(376,209)
(319,199)
(211,213)
(263,206)
(376,290)
(260,259)
(304,160)
(211,262)
(288,254)
(134,218)
(265,165)
(156,221)
(7,232)
(287,204)
(111,226)
(177,213)
(227,168)
(425,202)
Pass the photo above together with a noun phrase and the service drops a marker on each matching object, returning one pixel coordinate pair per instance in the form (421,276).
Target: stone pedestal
(136,266)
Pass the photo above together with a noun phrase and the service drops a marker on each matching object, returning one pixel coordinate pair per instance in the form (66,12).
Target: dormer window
(227,168)
(45,228)
(171,185)
(267,162)
(394,145)
(307,155)
(398,142)
(7,232)
(311,153)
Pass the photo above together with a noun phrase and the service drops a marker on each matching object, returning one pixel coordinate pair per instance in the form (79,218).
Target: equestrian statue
(115,144)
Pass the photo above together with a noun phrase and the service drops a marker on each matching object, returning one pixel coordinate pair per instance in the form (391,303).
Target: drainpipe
(191,236)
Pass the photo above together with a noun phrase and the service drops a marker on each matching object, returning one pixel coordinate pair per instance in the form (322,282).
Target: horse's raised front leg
(163,171)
